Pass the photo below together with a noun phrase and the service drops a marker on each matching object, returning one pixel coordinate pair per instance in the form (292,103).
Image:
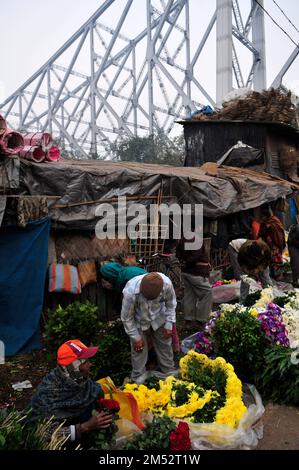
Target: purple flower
(272,325)
(203,344)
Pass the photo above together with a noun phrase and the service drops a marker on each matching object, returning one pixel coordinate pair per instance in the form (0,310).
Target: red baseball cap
(72,350)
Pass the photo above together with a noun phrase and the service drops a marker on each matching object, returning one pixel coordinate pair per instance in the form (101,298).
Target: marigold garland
(162,401)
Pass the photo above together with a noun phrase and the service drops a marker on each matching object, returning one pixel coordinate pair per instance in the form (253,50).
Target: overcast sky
(32,30)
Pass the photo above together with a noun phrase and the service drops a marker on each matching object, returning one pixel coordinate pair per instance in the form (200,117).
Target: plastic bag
(188,343)
(245,436)
(226,292)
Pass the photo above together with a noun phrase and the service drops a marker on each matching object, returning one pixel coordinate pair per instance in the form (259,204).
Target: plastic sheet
(226,293)
(245,436)
(188,343)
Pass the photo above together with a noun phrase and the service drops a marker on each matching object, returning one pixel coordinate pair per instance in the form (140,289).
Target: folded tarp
(23,267)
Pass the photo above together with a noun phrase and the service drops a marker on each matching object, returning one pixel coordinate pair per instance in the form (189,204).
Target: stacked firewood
(268,106)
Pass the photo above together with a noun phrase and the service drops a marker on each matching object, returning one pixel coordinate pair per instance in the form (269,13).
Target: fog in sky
(32,30)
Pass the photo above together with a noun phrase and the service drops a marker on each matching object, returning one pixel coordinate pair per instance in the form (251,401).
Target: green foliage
(76,321)
(15,434)
(239,339)
(80,321)
(152,382)
(278,379)
(105,438)
(11,431)
(207,414)
(206,377)
(252,298)
(114,356)
(181,394)
(155,435)
(284,299)
(153,149)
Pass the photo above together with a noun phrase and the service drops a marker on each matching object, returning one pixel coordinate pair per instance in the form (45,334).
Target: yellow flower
(254,312)
(162,401)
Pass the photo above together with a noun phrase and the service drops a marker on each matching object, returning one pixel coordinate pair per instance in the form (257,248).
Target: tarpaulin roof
(81,185)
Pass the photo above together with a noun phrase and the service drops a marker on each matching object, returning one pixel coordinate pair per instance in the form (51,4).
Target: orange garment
(255,229)
(128,405)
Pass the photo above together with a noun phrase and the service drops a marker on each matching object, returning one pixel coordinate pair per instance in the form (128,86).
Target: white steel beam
(224,78)
(258,41)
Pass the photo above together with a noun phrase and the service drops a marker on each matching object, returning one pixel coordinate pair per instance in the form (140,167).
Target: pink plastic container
(42,139)
(11,142)
(35,154)
(53,154)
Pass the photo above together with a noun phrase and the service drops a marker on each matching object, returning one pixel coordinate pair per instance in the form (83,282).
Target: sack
(64,278)
(226,293)
(87,272)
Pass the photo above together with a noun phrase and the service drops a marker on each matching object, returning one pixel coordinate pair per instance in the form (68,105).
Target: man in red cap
(148,311)
(68,394)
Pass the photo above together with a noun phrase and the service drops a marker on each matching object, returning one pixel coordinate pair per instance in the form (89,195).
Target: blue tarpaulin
(23,268)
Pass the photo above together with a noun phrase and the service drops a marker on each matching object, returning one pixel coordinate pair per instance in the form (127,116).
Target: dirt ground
(281,423)
(281,428)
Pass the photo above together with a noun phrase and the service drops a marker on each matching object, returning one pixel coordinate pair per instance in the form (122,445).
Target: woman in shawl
(68,394)
(116,276)
(268,227)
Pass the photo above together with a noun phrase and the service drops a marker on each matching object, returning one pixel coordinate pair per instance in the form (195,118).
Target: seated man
(68,394)
(253,258)
(148,314)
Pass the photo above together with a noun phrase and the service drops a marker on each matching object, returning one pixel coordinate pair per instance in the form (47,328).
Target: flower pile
(273,326)
(261,340)
(179,439)
(105,438)
(203,344)
(190,398)
(162,433)
(111,406)
(279,325)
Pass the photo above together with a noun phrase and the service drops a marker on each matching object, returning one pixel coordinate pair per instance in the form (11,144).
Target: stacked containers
(11,142)
(34,146)
(38,147)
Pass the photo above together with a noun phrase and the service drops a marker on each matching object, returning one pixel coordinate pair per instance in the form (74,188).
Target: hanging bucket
(11,142)
(53,154)
(42,139)
(36,154)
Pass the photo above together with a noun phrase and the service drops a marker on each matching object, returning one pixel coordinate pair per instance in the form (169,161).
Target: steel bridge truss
(133,84)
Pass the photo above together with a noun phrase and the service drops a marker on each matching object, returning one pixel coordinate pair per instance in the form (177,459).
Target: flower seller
(148,314)
(68,394)
(251,257)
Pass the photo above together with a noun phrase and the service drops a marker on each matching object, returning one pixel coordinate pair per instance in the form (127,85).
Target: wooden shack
(207,141)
